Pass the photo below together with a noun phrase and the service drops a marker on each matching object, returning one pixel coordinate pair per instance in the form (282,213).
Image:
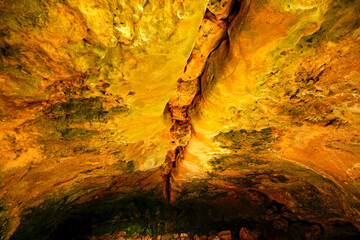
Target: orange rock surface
(225,102)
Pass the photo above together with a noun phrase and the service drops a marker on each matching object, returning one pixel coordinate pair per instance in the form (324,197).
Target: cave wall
(279,107)
(115,98)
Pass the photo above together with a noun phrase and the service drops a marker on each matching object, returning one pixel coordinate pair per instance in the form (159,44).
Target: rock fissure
(212,31)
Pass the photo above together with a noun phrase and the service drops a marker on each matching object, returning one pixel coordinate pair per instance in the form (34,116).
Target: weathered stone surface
(78,79)
(270,100)
(211,33)
(220,8)
(255,114)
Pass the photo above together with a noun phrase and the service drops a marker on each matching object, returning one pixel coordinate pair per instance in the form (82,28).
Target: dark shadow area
(144,214)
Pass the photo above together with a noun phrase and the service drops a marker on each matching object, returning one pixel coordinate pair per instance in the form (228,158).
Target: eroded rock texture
(180,116)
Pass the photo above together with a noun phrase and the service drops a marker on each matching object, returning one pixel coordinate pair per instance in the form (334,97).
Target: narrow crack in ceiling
(180,115)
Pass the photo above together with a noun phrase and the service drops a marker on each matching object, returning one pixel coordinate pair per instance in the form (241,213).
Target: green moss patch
(249,149)
(258,140)
(77,132)
(81,110)
(236,161)
(78,110)
(200,189)
(33,14)
(127,167)
(341,19)
(250,164)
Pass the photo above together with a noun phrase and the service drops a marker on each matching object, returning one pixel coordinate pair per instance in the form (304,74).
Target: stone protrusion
(212,31)
(220,8)
(185,92)
(210,35)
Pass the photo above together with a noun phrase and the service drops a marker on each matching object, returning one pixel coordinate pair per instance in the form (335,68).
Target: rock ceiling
(228,103)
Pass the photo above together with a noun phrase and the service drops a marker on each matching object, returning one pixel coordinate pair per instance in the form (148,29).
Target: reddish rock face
(141,118)
(246,234)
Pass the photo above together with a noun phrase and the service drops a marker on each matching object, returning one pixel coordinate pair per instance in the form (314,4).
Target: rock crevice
(212,31)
